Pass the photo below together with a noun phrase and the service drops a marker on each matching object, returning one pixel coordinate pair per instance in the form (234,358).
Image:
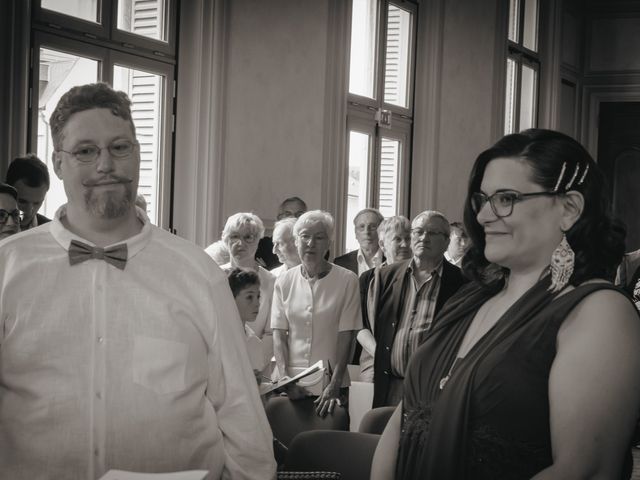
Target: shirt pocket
(159,365)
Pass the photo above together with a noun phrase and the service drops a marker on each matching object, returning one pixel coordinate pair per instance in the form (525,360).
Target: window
(379,108)
(523,67)
(129,44)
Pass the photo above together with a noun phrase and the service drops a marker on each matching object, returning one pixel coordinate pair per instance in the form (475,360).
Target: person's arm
(594,389)
(281,350)
(383,466)
(231,388)
(328,399)
(367,340)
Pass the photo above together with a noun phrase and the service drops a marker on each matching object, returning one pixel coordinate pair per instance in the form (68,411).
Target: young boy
(245,286)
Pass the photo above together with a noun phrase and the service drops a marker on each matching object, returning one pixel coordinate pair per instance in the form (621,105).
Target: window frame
(361,117)
(64,33)
(521,55)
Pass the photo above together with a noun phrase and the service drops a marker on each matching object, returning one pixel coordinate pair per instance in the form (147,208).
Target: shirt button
(386,373)
(309,308)
(387,348)
(393,324)
(98,395)
(100,340)
(95,452)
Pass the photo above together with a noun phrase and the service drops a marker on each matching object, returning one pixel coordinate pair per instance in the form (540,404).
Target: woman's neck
(316,268)
(519,281)
(247,262)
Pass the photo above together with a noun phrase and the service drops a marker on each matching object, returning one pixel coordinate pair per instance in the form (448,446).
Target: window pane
(389,166)
(146,92)
(84,9)
(510,98)
(514,20)
(143,17)
(359,151)
(530,33)
(396,75)
(59,72)
(528,98)
(363,48)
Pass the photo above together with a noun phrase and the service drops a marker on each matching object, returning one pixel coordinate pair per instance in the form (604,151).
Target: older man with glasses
(10,216)
(410,295)
(129,352)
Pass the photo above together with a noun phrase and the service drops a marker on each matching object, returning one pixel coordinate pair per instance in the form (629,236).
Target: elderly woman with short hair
(315,313)
(241,234)
(284,245)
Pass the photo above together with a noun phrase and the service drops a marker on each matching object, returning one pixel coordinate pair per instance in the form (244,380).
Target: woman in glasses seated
(241,234)
(533,369)
(316,312)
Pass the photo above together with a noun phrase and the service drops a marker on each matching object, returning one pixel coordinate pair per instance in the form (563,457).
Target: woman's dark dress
(491,420)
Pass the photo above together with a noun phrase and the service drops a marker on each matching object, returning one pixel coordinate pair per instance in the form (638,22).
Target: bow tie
(116,256)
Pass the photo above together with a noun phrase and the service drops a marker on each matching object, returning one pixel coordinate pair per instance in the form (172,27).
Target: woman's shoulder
(600,309)
(340,272)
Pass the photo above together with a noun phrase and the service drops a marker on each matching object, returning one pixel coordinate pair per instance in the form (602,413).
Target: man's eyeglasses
(419,232)
(16,214)
(283,215)
(89,153)
(502,202)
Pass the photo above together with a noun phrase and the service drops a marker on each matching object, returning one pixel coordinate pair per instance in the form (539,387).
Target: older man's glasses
(16,214)
(502,202)
(421,232)
(89,153)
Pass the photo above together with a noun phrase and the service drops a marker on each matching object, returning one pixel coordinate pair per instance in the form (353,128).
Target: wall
(275,104)
(464,107)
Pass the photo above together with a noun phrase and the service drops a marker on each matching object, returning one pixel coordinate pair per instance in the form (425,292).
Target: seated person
(315,314)
(245,286)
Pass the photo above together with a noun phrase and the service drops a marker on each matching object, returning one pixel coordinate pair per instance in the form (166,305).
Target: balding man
(410,295)
(369,255)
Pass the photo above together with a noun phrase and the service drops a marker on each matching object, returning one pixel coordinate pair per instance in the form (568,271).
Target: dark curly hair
(86,97)
(556,161)
(241,278)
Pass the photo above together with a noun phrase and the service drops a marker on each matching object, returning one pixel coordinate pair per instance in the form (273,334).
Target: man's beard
(110,204)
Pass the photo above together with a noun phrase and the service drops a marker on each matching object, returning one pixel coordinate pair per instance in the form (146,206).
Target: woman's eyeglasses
(502,202)
(246,238)
(16,214)
(89,153)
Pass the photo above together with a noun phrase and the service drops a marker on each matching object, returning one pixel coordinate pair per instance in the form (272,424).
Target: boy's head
(245,286)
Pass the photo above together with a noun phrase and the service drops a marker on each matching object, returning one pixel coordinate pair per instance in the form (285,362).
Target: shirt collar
(376,260)
(437,270)
(134,244)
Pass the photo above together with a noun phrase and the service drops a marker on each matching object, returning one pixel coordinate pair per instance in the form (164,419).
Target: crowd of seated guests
(501,342)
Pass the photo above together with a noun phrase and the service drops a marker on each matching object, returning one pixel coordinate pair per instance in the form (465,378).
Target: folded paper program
(271,386)
(186,475)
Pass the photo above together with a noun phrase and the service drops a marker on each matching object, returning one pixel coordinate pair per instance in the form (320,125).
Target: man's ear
(573,206)
(56,161)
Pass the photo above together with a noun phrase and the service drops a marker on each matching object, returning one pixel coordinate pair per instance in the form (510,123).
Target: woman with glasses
(533,369)
(241,234)
(315,314)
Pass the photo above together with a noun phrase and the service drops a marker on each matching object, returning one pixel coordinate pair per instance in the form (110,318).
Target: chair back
(348,453)
(288,418)
(376,419)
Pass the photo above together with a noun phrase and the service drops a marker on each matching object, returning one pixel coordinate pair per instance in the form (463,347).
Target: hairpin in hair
(583,175)
(564,167)
(575,174)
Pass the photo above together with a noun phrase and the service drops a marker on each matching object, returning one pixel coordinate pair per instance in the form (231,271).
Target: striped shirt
(416,318)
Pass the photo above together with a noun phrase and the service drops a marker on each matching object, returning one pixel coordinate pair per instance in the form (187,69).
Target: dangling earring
(562,261)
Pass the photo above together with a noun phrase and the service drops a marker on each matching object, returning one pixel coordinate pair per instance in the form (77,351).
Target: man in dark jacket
(30,177)
(410,295)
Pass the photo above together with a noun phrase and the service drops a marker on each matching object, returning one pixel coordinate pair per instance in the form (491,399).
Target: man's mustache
(104,180)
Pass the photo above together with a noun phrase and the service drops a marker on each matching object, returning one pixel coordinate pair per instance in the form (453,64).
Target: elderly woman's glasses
(16,214)
(89,153)
(246,238)
(502,202)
